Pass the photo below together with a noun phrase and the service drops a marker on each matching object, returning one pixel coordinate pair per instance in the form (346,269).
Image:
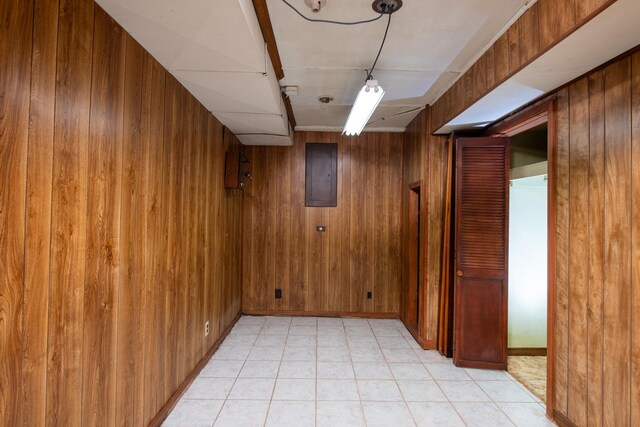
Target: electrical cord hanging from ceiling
(396,115)
(327,21)
(384,39)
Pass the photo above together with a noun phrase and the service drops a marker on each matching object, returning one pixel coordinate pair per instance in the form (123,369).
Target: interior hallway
(307,371)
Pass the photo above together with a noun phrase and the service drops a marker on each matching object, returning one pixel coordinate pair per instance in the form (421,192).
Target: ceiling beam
(272,47)
(267,33)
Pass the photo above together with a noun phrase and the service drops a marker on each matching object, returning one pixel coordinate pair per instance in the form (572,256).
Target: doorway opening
(482,189)
(527,284)
(412,320)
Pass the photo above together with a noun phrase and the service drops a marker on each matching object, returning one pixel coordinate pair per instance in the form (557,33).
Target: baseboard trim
(320,314)
(175,397)
(423,343)
(527,351)
(562,420)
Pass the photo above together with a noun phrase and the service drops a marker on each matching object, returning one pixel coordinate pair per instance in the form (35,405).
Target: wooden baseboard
(429,345)
(424,344)
(414,333)
(562,420)
(320,314)
(527,351)
(175,397)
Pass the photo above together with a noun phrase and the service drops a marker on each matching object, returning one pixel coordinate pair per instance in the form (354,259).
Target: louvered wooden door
(481,238)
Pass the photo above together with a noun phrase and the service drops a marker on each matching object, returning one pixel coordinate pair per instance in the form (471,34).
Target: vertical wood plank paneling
(336,248)
(578,248)
(596,257)
(436,174)
(529,26)
(356,221)
(514,47)
(131,344)
(369,202)
(174,139)
(479,73)
(635,242)
(606,319)
(557,17)
(86,190)
(586,8)
(209,211)
(412,165)
(186,282)
(387,241)
(491,68)
(334,270)
(260,240)
(331,288)
(15,71)
(38,215)
(271,243)
(103,222)
(313,254)
(562,254)
(424,160)
(298,281)
(68,213)
(502,56)
(152,139)
(617,269)
(219,223)
(247,242)
(202,181)
(230,241)
(395,242)
(344,218)
(467,91)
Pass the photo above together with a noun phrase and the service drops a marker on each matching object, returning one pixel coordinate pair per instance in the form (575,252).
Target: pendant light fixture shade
(366,103)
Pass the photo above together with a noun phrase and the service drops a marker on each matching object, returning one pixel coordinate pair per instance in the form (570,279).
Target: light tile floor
(307,371)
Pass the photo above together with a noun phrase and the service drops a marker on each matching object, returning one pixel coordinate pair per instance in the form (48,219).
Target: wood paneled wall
(117,238)
(425,161)
(541,27)
(598,248)
(361,250)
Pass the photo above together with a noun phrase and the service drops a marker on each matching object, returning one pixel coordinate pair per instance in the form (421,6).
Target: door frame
(545,110)
(418,331)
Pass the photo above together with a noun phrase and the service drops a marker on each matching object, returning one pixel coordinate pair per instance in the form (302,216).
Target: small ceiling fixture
(370,95)
(386,6)
(316,5)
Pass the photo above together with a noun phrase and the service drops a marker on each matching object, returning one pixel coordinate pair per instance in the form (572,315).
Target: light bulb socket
(386,6)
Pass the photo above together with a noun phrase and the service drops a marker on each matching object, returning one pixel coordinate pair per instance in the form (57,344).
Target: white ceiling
(216,50)
(430,43)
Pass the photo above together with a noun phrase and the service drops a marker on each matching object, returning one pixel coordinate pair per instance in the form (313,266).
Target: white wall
(528,262)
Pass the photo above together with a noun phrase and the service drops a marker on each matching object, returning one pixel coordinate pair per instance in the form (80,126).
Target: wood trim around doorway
(543,111)
(414,297)
(522,121)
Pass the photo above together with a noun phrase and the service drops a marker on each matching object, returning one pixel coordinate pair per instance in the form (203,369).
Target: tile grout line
(275,382)
(374,329)
(404,399)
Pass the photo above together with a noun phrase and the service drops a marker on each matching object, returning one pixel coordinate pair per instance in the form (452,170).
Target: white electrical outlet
(206,328)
